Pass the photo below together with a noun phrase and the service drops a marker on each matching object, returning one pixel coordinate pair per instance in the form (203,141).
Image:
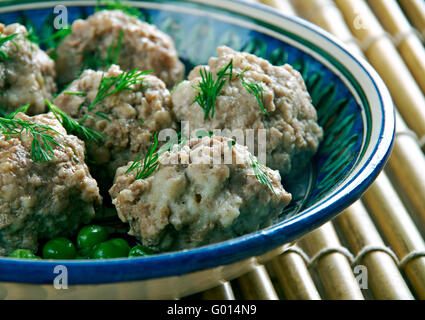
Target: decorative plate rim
(257,243)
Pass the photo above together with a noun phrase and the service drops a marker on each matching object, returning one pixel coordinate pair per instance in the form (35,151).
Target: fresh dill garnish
(42,143)
(74,127)
(103,115)
(208,88)
(149,164)
(256,90)
(95,61)
(114,84)
(178,140)
(3,40)
(116,5)
(114,50)
(77,93)
(260,173)
(22,109)
(55,40)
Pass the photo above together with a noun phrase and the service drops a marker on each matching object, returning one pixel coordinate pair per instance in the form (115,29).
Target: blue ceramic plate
(354,108)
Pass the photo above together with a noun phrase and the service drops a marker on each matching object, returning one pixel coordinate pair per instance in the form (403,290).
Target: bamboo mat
(375,249)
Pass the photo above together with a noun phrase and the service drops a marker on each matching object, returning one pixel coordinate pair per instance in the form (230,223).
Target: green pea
(23,254)
(59,248)
(114,248)
(84,253)
(91,235)
(140,251)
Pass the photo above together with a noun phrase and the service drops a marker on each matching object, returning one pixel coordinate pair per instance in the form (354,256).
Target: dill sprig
(260,173)
(77,93)
(114,50)
(22,109)
(256,90)
(55,40)
(74,127)
(253,88)
(208,88)
(114,84)
(179,140)
(149,164)
(42,143)
(3,40)
(94,60)
(117,5)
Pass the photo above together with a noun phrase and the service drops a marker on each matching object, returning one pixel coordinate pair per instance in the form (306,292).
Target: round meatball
(43,199)
(128,119)
(113,36)
(27,74)
(192,199)
(293,134)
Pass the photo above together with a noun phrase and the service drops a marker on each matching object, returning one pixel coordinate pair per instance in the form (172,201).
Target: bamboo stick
(407,166)
(256,285)
(334,268)
(222,292)
(382,54)
(384,277)
(335,27)
(407,42)
(400,231)
(325,14)
(293,277)
(415,10)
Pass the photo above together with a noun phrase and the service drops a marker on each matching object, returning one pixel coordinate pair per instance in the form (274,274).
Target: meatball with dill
(27,73)
(238,90)
(114,37)
(46,189)
(189,200)
(127,108)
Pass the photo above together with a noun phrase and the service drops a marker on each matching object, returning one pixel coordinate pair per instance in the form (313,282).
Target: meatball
(190,200)
(127,40)
(27,74)
(43,199)
(129,118)
(292,132)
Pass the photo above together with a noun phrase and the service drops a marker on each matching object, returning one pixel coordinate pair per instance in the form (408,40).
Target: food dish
(334,187)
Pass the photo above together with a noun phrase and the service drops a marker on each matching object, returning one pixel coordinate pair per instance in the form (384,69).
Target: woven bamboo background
(383,233)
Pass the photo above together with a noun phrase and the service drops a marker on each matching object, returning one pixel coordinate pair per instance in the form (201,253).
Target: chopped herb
(260,173)
(42,143)
(3,40)
(32,35)
(103,115)
(146,167)
(22,109)
(94,60)
(114,84)
(168,146)
(256,90)
(55,40)
(208,89)
(78,93)
(117,5)
(115,49)
(74,127)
